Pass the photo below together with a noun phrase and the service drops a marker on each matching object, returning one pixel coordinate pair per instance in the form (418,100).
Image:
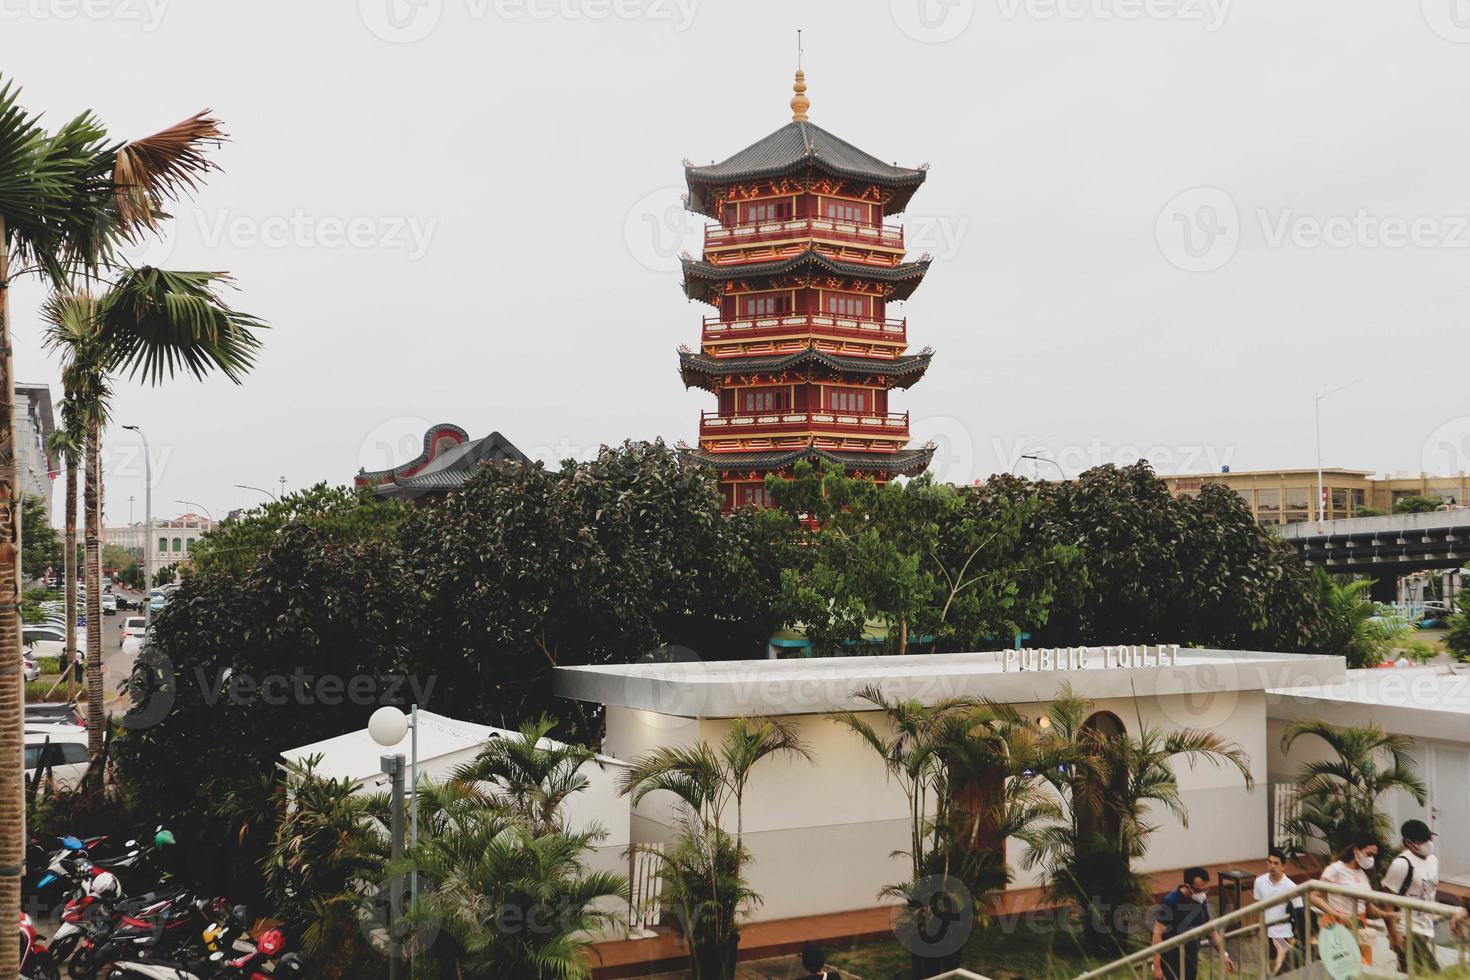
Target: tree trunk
(12,689)
(69,565)
(91,504)
(903,637)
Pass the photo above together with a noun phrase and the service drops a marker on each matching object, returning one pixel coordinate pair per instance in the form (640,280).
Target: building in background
(1286,496)
(802,351)
(173,540)
(449,458)
(34,423)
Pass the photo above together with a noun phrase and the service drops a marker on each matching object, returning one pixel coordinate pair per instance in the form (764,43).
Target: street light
(148,530)
(1034,458)
(243,486)
(387,726)
(1317,418)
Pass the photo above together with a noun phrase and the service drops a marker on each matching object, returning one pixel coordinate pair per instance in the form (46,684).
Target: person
(1278,918)
(79,667)
(1183,909)
(1350,868)
(1415,874)
(814,962)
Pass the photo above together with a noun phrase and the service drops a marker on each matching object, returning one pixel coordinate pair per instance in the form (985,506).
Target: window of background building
(1359,500)
(753,494)
(1340,507)
(754,214)
(1298,504)
(178,545)
(163,544)
(764,305)
(762,399)
(846,305)
(847,400)
(1268,506)
(842,211)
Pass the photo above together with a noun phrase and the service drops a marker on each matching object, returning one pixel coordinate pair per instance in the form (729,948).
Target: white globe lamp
(388,725)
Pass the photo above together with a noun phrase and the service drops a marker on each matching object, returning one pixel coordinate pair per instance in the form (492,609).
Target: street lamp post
(243,486)
(190,503)
(148,530)
(387,726)
(1041,459)
(1317,420)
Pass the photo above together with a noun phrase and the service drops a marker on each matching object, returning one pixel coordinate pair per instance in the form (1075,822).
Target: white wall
(822,833)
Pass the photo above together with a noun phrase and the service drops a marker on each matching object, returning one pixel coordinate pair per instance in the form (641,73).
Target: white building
(172,540)
(34,423)
(822,832)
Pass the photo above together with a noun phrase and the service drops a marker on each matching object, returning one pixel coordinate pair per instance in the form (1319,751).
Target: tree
(1353,625)
(531,774)
(1417,505)
(66,442)
(1108,795)
(601,562)
(1339,796)
(43,547)
(704,872)
(1457,639)
(921,557)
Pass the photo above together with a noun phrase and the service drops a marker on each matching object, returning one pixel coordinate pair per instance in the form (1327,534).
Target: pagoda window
(753,400)
(770,304)
(766,211)
(844,304)
(855,401)
(753,495)
(843,211)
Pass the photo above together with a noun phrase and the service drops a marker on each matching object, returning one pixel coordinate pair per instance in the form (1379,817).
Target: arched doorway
(1098,729)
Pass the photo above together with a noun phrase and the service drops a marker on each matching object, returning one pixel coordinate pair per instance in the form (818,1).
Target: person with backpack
(814,962)
(1415,874)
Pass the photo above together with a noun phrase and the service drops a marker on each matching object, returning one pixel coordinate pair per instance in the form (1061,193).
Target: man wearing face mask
(1183,909)
(1415,873)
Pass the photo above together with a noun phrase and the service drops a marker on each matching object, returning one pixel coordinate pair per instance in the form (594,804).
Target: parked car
(109,604)
(62,747)
(47,640)
(134,627)
(54,713)
(29,669)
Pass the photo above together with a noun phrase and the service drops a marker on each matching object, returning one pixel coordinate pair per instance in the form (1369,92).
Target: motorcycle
(90,909)
(168,926)
(266,960)
(36,962)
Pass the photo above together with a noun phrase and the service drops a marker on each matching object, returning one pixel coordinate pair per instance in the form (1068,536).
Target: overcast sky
(1159,226)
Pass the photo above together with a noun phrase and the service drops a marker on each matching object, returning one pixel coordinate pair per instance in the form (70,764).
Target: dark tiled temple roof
(451,468)
(909,462)
(798,147)
(700,370)
(699,275)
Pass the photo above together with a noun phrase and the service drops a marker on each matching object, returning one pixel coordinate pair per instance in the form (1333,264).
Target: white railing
(645,889)
(886,235)
(738,328)
(1286,806)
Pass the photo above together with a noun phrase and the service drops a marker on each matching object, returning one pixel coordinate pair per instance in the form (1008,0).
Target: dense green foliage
(1417,505)
(1457,639)
(41,546)
(1355,627)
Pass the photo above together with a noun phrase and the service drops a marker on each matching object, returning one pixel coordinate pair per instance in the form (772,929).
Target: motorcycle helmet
(213,934)
(104,885)
(164,838)
(289,965)
(73,843)
(271,942)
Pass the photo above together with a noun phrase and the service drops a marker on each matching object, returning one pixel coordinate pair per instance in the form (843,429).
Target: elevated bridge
(1384,547)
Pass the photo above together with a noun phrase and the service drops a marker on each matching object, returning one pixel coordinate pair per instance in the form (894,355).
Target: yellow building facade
(1287,496)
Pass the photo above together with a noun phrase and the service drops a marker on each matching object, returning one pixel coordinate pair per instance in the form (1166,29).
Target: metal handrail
(1255,908)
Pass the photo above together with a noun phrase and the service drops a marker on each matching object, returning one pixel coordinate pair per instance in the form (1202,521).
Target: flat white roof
(820,685)
(1423,702)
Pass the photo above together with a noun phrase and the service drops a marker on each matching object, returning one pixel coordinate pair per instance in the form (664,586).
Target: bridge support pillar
(1385,587)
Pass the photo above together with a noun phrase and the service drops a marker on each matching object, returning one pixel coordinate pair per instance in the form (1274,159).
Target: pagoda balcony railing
(824,324)
(885,236)
(715,425)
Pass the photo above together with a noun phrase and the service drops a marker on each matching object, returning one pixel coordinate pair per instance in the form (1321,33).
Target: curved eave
(702,371)
(905,462)
(700,276)
(703,187)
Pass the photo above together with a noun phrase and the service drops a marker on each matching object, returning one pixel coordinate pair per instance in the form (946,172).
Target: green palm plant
(1107,795)
(1339,795)
(532,774)
(704,873)
(1353,626)
(65,443)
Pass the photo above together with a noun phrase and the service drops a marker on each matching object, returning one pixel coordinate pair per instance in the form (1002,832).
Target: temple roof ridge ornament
(799,102)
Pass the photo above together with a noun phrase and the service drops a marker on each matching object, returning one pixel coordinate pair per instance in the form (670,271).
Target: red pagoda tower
(800,268)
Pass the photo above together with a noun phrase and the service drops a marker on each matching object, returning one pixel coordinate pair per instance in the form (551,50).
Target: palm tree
(705,872)
(1339,796)
(532,775)
(1107,795)
(1353,626)
(66,443)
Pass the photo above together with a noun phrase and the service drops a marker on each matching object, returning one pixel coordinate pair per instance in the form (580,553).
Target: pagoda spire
(799,102)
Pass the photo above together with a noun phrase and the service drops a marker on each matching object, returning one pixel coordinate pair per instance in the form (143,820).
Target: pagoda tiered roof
(703,371)
(909,462)
(702,278)
(800,147)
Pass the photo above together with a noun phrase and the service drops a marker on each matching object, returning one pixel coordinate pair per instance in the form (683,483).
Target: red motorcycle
(35,959)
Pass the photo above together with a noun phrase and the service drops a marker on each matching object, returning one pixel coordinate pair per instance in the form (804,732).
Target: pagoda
(800,266)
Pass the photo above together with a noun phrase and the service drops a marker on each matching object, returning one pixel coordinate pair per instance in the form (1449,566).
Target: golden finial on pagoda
(799,102)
